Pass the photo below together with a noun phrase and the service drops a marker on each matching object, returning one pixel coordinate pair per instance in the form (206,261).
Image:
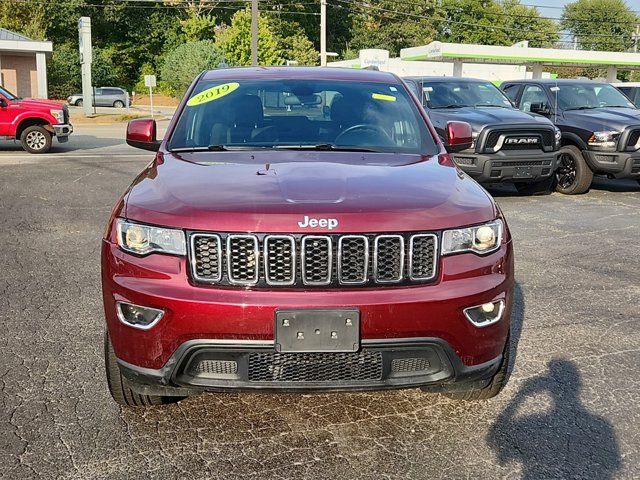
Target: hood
(480,117)
(36,103)
(598,119)
(273,191)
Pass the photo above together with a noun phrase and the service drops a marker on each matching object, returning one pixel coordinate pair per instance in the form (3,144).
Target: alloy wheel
(36,140)
(566,172)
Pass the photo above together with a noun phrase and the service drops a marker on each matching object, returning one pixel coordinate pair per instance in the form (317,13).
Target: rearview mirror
(3,103)
(141,133)
(459,136)
(540,108)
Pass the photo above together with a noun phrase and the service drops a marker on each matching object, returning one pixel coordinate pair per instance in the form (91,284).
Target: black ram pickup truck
(600,128)
(509,145)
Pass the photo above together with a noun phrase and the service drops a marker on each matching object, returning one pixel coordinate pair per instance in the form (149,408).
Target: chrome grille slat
(422,253)
(353,255)
(388,258)
(297,260)
(317,260)
(279,259)
(243,256)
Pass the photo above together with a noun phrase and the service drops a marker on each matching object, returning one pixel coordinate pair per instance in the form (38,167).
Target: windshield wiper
(453,105)
(326,147)
(582,108)
(491,105)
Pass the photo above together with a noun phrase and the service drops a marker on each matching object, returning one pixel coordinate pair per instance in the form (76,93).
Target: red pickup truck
(33,121)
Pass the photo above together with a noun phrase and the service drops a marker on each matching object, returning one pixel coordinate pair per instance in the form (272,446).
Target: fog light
(485,314)
(137,316)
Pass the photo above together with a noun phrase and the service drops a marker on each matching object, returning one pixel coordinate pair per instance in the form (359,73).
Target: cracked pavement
(569,410)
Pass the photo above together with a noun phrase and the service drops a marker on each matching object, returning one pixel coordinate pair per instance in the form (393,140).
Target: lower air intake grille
(315,367)
(216,367)
(404,365)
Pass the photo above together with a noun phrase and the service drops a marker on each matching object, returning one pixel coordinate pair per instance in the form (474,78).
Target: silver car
(104,97)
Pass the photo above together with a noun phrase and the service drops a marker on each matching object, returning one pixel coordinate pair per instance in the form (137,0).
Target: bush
(184,63)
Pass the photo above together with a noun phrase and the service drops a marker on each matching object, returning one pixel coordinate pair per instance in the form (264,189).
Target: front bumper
(62,131)
(615,164)
(214,365)
(527,166)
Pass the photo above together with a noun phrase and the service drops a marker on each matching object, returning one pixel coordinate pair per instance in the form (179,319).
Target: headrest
(248,110)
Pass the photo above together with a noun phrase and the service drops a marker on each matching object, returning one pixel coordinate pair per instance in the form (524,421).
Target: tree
(600,24)
(182,64)
(235,41)
(292,42)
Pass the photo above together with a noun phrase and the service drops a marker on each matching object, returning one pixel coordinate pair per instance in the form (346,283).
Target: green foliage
(199,27)
(292,42)
(235,41)
(600,24)
(182,64)
(23,18)
(64,74)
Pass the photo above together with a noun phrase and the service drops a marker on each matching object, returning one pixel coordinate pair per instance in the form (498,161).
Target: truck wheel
(36,139)
(118,104)
(543,187)
(78,103)
(495,385)
(574,175)
(120,391)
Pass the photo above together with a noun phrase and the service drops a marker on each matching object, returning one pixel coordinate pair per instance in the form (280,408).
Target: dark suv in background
(600,128)
(509,145)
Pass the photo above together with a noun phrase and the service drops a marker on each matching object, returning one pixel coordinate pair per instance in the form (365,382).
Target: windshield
(452,94)
(577,96)
(7,94)
(301,114)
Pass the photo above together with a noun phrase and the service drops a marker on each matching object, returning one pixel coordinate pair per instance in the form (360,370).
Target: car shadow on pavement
(517,320)
(546,428)
(615,185)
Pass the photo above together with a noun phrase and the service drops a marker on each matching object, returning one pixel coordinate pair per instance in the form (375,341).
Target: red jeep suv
(303,229)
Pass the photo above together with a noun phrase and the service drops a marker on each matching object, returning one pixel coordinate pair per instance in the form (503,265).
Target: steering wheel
(365,127)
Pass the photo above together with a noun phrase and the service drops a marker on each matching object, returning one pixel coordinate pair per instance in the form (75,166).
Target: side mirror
(459,136)
(540,108)
(3,103)
(141,133)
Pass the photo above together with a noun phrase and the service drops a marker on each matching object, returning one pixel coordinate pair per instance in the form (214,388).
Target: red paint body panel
(17,111)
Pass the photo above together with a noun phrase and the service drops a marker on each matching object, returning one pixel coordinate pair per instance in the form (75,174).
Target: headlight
(58,115)
(481,239)
(558,136)
(607,139)
(145,239)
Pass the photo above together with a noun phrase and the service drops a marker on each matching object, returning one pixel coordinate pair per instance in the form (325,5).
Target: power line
(366,6)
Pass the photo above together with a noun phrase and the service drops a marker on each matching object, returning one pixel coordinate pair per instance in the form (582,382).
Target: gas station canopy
(520,53)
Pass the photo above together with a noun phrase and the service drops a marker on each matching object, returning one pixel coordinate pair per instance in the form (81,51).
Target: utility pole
(254,32)
(636,37)
(323,33)
(84,37)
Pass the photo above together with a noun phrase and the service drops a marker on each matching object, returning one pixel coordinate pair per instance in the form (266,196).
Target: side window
(511,91)
(532,94)
(99,91)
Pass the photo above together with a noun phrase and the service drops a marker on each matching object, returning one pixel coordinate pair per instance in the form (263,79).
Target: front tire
(543,187)
(36,139)
(118,387)
(118,104)
(573,175)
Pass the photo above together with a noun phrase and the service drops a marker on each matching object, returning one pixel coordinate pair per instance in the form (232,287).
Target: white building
(23,64)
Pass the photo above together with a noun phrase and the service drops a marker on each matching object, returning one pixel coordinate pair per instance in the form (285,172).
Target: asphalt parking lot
(570,409)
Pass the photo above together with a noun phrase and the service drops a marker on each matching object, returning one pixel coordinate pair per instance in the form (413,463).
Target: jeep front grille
(265,260)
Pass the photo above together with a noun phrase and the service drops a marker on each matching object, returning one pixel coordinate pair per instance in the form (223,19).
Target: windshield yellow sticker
(213,93)
(381,96)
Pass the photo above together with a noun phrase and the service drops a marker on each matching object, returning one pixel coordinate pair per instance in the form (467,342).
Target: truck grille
(315,367)
(495,140)
(264,260)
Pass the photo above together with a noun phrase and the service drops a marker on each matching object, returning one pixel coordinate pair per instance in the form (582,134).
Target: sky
(554,11)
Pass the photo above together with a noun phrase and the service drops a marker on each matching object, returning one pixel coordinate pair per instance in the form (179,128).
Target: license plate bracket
(317,330)
(522,172)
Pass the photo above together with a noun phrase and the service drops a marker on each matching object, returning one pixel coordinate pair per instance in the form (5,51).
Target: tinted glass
(511,91)
(450,94)
(532,94)
(576,96)
(302,113)
(7,94)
